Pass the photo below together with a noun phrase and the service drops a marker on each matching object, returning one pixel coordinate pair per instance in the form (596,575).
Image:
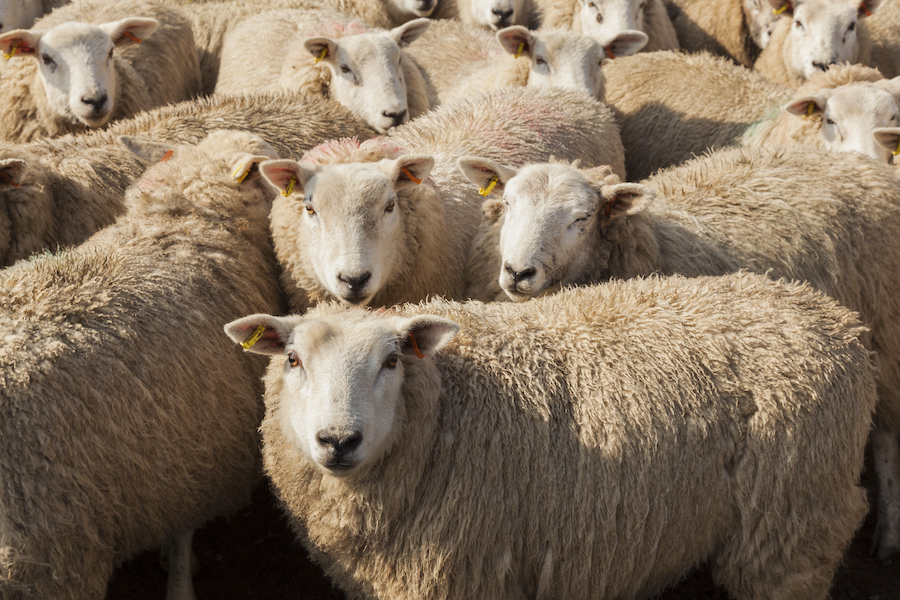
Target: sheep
(390,220)
(326,53)
(21,14)
(737,29)
(136,434)
(497,14)
(798,213)
(889,139)
(813,34)
(605,19)
(67,76)
(60,191)
(674,106)
(599,443)
(533,59)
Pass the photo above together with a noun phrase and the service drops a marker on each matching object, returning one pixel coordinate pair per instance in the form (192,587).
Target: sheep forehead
(344,341)
(861,100)
(366,48)
(551,187)
(82,35)
(834,14)
(566,44)
(349,188)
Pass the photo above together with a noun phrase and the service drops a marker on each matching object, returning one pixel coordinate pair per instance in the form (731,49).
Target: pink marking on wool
(383,147)
(321,153)
(344,149)
(336,30)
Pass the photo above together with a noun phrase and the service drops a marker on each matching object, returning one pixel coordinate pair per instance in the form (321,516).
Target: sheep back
(716,26)
(601,443)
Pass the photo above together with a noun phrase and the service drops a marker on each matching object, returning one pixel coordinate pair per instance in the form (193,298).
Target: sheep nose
(820,65)
(504,16)
(355,283)
(520,275)
(339,446)
(396,117)
(97,102)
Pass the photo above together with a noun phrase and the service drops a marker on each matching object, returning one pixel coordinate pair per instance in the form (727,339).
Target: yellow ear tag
(254,338)
(290,187)
(239,175)
(778,11)
(810,108)
(897,151)
(412,177)
(490,186)
(12,51)
(519,51)
(322,54)
(132,37)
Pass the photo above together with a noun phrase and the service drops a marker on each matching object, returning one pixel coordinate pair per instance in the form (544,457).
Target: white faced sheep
(599,443)
(673,106)
(391,220)
(521,58)
(815,34)
(737,29)
(145,426)
(605,20)
(57,192)
(798,213)
(329,54)
(497,14)
(67,76)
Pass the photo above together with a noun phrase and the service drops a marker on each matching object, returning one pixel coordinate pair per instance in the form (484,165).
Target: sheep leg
(180,585)
(886,453)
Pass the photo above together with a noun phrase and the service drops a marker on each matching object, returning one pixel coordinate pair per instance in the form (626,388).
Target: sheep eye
(389,207)
(798,24)
(293,360)
(110,53)
(829,121)
(539,60)
(310,210)
(391,362)
(47,60)
(345,69)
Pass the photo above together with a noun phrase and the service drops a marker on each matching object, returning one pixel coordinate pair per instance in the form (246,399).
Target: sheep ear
(410,31)
(891,86)
(280,173)
(482,171)
(813,104)
(867,8)
(262,334)
(888,137)
(147,150)
(25,42)
(425,334)
(624,199)
(409,170)
(783,7)
(626,43)
(129,31)
(246,168)
(322,48)
(11,171)
(515,37)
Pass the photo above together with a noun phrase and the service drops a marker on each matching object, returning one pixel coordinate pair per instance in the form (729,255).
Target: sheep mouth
(424,8)
(339,467)
(355,300)
(95,119)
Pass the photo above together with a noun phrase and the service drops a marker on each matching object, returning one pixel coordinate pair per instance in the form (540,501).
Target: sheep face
(850,113)
(558,59)
(761,21)
(341,403)
(352,220)
(419,8)
(19,14)
(367,72)
(497,14)
(823,33)
(551,217)
(76,65)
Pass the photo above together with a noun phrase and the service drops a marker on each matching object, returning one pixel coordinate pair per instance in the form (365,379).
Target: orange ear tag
(415,346)
(167,156)
(412,177)
(609,53)
(132,37)
(865,9)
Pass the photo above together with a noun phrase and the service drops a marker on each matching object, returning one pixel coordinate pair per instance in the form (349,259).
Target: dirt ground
(252,555)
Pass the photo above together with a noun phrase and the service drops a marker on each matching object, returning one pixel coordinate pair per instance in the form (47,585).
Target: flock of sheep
(536,328)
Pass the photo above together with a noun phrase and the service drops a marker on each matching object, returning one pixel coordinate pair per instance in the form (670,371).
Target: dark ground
(252,556)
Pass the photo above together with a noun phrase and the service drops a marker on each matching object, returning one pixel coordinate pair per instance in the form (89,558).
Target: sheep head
(343,375)
(365,72)
(498,14)
(76,64)
(552,213)
(822,33)
(348,220)
(617,25)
